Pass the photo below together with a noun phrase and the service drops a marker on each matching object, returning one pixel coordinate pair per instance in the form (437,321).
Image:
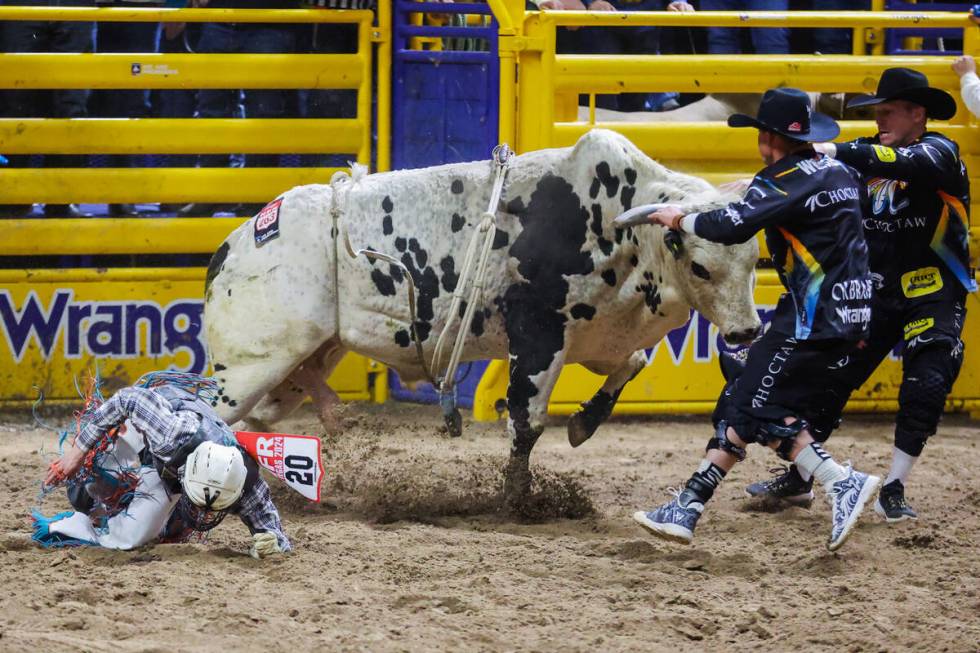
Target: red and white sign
(293,459)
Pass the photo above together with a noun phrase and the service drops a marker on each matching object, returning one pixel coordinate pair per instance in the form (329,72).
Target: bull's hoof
(517,482)
(454,424)
(581,427)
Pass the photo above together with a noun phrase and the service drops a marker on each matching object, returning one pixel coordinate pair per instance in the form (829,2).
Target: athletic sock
(814,460)
(804,474)
(901,466)
(706,480)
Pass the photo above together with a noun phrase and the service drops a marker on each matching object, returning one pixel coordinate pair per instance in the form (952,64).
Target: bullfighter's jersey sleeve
(739,221)
(149,412)
(259,513)
(930,160)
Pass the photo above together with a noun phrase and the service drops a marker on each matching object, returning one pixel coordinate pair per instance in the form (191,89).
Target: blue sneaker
(674,520)
(847,500)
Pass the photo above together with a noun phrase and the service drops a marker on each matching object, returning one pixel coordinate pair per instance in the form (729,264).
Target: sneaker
(786,486)
(674,520)
(847,499)
(891,503)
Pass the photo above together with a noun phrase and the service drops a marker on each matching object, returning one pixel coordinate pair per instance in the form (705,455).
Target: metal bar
(745,73)
(115,236)
(132,185)
(449,32)
(688,140)
(842,19)
(384,37)
(180,136)
(181,71)
(161,15)
(86,275)
(448,56)
(448,8)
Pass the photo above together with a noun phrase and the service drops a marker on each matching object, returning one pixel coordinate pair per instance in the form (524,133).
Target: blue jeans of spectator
(836,41)
(177,103)
(727,40)
(29,36)
(259,38)
(327,38)
(619,40)
(139,38)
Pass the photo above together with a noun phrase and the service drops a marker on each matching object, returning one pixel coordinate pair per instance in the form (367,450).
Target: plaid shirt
(165,430)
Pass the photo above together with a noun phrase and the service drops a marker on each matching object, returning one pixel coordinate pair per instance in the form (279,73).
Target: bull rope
(473,265)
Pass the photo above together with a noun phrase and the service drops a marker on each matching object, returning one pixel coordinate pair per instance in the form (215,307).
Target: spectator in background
(176,38)
(966,68)
(259,38)
(836,41)
(331,38)
(124,37)
(45,36)
(619,40)
(727,40)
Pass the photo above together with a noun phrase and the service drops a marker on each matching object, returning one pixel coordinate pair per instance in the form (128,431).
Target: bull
(564,285)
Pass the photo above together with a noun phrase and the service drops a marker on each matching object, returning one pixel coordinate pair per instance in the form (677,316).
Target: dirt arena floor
(410,551)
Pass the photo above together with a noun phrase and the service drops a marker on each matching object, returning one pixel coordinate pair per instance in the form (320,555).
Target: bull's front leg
(532,378)
(596,410)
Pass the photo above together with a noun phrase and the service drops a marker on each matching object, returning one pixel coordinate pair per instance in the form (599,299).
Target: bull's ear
(674,242)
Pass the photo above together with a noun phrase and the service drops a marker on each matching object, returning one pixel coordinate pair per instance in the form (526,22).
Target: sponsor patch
(884,154)
(267,223)
(923,281)
(916,327)
(794,127)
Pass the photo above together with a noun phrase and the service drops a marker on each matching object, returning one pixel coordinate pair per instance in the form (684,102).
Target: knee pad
(784,434)
(720,441)
(922,397)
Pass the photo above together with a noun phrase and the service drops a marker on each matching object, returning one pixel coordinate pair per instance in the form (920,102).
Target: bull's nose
(743,336)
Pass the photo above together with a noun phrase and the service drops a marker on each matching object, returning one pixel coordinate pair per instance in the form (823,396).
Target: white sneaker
(847,500)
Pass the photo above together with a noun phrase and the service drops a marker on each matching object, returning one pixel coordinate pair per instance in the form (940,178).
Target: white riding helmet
(214,476)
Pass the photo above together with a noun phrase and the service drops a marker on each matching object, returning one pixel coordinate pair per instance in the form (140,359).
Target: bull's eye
(700,271)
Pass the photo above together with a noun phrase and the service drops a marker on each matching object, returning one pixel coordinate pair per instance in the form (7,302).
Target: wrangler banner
(58,325)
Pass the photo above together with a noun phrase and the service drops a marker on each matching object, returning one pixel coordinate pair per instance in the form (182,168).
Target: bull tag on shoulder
(293,459)
(636,215)
(267,223)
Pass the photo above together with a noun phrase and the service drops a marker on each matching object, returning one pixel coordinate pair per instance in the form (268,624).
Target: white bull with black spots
(563,284)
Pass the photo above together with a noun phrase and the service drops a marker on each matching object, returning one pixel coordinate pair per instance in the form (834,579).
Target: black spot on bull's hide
(548,250)
(384,283)
(457,186)
(607,179)
(402,339)
(218,367)
(386,227)
(215,265)
(516,206)
(449,276)
(609,276)
(651,293)
(457,222)
(427,287)
(597,219)
(605,246)
(387,205)
(630,175)
(583,312)
(400,244)
(700,271)
(500,239)
(626,197)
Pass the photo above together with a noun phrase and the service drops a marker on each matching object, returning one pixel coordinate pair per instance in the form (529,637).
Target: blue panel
(444,114)
(468,376)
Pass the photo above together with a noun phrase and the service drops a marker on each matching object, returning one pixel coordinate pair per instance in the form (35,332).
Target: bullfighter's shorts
(781,378)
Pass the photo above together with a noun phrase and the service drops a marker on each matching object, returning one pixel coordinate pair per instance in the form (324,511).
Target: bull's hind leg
(307,380)
(583,424)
